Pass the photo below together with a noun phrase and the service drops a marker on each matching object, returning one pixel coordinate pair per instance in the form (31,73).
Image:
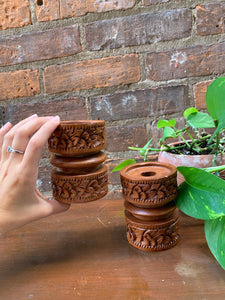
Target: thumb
(55,206)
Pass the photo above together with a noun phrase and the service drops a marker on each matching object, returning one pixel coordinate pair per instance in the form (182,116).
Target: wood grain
(84,254)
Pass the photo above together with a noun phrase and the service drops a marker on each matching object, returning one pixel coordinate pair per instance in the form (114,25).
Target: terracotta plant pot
(79,175)
(197,161)
(152,219)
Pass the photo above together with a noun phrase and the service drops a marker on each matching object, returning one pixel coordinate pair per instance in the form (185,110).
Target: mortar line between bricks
(32,6)
(91,17)
(41,81)
(140,49)
(88,107)
(110,90)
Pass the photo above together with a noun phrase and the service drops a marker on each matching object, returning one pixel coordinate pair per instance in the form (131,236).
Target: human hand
(20,200)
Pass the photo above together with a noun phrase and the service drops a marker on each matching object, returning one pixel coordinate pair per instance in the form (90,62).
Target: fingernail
(33,116)
(6,125)
(55,119)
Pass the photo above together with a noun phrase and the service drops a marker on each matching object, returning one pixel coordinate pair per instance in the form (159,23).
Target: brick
(35,46)
(68,109)
(1,116)
(114,193)
(150,2)
(16,84)
(14,13)
(114,178)
(186,62)
(119,138)
(140,103)
(138,29)
(200,90)
(44,176)
(48,10)
(95,73)
(210,19)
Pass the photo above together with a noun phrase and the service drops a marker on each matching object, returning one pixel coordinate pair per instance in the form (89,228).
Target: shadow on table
(27,251)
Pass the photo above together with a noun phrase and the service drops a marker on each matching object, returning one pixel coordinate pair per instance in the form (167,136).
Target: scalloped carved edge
(151,237)
(78,139)
(80,188)
(149,194)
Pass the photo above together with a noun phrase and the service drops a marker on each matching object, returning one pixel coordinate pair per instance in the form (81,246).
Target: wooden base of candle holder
(152,219)
(155,235)
(69,188)
(79,175)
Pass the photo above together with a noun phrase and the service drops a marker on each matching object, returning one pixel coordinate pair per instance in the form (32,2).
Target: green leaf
(164,123)
(200,120)
(215,236)
(189,111)
(123,164)
(202,195)
(215,98)
(200,204)
(167,133)
(203,180)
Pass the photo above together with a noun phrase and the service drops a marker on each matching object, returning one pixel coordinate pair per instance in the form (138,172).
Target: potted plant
(202,194)
(194,147)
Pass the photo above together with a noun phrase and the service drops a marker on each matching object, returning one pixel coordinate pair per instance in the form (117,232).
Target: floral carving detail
(153,238)
(77,139)
(70,189)
(149,193)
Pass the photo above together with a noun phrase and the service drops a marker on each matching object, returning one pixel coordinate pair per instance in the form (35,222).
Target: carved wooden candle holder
(78,174)
(152,219)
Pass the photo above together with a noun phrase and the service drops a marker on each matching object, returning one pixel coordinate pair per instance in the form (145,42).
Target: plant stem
(146,155)
(214,169)
(142,149)
(185,141)
(217,140)
(190,136)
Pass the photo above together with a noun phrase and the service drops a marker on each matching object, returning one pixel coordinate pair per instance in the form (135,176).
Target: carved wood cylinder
(149,184)
(155,230)
(78,174)
(152,219)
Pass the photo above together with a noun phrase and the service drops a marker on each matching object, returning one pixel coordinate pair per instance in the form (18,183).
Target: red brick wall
(129,62)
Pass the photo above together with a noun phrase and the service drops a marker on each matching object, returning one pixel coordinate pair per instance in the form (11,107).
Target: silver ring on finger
(11,150)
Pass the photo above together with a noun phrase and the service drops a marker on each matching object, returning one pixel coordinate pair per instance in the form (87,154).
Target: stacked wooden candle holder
(152,219)
(79,174)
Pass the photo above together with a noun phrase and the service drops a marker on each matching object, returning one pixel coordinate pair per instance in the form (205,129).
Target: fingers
(34,148)
(9,136)
(3,132)
(29,136)
(24,133)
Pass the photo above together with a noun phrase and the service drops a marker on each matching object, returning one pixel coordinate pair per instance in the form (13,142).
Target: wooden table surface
(83,254)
